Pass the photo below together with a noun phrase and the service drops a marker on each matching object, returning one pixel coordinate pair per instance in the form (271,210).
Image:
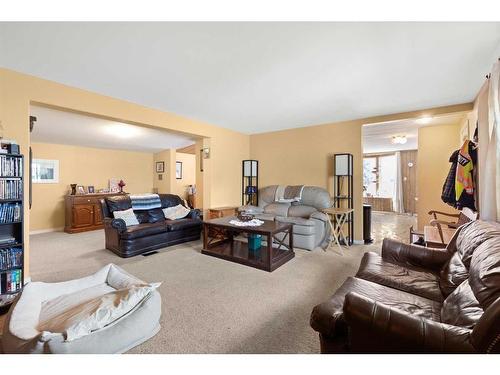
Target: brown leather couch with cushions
(153,232)
(413,299)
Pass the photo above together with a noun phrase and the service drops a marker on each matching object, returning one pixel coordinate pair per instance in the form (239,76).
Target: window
(379,175)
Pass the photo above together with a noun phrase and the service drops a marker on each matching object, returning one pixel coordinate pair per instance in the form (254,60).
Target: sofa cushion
(327,319)
(453,274)
(301,210)
(468,238)
(170,200)
(300,225)
(484,272)
(128,216)
(277,209)
(316,196)
(142,216)
(407,278)
(474,234)
(461,307)
(155,215)
(180,224)
(143,230)
(118,203)
(176,212)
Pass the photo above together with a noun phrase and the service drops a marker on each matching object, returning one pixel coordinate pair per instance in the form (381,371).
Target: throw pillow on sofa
(176,212)
(128,217)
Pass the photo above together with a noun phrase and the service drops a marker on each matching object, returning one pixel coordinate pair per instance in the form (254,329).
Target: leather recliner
(414,299)
(153,232)
(310,226)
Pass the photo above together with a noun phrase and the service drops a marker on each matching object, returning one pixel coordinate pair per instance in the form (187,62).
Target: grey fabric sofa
(310,225)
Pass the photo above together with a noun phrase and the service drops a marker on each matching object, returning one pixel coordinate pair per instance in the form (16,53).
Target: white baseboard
(46,230)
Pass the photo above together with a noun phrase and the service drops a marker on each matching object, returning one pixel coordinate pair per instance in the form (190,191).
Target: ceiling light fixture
(424,120)
(399,140)
(122,130)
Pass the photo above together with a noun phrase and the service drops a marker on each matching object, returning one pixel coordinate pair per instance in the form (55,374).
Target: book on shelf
(11,281)
(10,166)
(10,212)
(5,240)
(11,258)
(11,189)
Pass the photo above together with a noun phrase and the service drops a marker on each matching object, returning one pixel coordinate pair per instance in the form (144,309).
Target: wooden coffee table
(219,240)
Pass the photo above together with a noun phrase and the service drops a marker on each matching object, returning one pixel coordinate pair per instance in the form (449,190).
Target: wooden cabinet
(83,215)
(83,212)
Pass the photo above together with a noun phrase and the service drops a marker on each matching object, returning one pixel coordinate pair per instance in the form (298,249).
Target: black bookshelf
(11,226)
(343,189)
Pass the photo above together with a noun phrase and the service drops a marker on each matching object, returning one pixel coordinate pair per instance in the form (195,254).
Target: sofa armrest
(427,257)
(375,327)
(318,215)
(194,214)
(118,224)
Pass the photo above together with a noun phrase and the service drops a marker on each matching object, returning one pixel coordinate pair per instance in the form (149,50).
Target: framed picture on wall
(45,171)
(178,170)
(160,167)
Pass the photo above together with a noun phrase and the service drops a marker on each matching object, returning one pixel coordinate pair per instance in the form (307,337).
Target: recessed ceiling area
(377,137)
(255,77)
(68,128)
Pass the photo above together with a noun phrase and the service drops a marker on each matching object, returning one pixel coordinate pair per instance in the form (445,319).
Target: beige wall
(221,181)
(435,145)
(167,182)
(84,166)
(188,173)
(305,156)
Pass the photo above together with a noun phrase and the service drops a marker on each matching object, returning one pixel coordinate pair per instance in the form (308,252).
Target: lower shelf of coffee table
(238,252)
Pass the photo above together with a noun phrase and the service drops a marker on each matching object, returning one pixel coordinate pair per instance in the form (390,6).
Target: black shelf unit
(13,229)
(343,188)
(250,182)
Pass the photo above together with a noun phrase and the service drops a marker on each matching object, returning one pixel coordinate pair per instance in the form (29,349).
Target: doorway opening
(392,181)
(77,159)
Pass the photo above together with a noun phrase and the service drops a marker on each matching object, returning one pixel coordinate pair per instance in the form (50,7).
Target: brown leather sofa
(153,232)
(414,299)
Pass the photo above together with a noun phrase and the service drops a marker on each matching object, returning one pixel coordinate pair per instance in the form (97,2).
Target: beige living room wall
(169,183)
(188,173)
(221,176)
(305,155)
(435,145)
(84,166)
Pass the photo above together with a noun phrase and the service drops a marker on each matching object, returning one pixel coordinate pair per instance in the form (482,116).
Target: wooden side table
(214,213)
(338,217)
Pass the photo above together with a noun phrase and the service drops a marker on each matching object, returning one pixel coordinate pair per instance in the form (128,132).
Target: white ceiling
(377,137)
(53,126)
(256,77)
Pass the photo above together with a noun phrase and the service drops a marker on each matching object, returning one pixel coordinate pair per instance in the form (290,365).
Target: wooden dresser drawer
(84,200)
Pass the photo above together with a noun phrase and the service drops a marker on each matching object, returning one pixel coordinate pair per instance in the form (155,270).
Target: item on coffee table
(242,216)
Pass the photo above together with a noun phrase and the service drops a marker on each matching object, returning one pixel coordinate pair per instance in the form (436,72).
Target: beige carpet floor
(214,306)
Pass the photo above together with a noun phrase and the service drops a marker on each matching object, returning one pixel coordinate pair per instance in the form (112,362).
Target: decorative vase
(121,184)
(73,189)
